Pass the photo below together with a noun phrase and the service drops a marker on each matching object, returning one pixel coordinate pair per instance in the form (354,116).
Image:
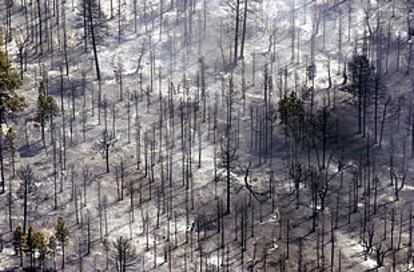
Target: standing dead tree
(105,145)
(124,254)
(26,174)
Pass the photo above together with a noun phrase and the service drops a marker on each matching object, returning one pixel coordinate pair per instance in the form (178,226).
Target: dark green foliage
(311,72)
(39,242)
(19,242)
(62,235)
(33,242)
(62,232)
(98,18)
(323,123)
(11,138)
(46,105)
(291,111)
(10,101)
(362,86)
(361,75)
(47,108)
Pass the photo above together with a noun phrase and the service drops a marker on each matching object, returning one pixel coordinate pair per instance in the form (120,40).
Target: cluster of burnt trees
(330,183)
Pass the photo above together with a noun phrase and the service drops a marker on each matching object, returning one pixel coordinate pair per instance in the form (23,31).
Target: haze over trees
(198,135)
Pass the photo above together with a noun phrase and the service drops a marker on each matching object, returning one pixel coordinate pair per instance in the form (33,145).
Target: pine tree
(62,235)
(39,242)
(94,27)
(11,145)
(30,245)
(361,76)
(19,242)
(10,101)
(47,108)
(35,243)
(323,127)
(98,17)
(26,174)
(41,108)
(291,112)
(51,248)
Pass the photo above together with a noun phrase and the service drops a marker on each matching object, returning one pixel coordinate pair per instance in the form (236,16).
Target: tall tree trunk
(95,53)
(25,206)
(236,37)
(3,179)
(63,255)
(39,14)
(244,29)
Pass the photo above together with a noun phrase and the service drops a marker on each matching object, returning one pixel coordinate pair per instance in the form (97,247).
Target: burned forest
(206,135)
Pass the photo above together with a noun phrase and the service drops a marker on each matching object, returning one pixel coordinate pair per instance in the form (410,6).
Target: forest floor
(269,237)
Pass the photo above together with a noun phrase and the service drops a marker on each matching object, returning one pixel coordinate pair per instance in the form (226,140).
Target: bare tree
(124,254)
(26,174)
(105,145)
